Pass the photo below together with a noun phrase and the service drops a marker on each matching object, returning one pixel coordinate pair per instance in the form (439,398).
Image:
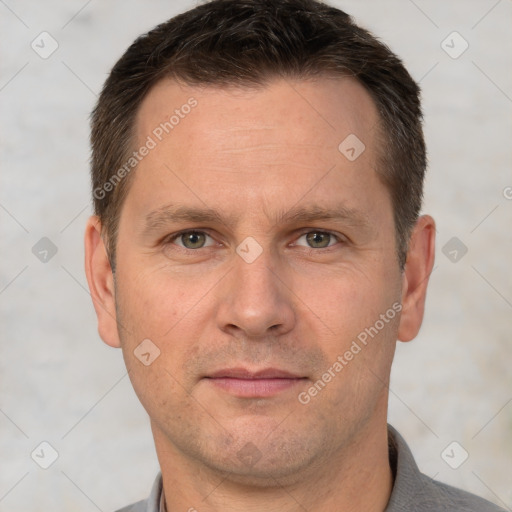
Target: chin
(260,460)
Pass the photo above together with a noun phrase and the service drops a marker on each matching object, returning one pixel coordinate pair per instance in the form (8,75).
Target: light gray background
(61,384)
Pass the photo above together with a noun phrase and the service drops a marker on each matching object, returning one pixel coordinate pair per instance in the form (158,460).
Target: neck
(356,477)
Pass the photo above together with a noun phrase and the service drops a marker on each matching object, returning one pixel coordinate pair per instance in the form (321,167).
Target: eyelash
(170,239)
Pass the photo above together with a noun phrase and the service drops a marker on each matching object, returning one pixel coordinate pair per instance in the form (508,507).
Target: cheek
(153,303)
(162,391)
(361,310)
(348,299)
(172,313)
(153,319)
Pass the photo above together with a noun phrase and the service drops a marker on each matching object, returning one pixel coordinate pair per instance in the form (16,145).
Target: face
(256,256)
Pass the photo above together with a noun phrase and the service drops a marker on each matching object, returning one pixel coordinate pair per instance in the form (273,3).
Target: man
(256,252)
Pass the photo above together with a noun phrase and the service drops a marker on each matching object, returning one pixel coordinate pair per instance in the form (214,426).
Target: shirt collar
(162,502)
(407,476)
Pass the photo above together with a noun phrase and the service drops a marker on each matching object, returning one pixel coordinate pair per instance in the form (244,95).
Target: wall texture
(61,385)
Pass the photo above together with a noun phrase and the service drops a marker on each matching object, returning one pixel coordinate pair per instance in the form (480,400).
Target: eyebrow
(172,213)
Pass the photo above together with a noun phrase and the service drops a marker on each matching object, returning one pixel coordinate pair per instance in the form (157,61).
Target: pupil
(193,239)
(318,238)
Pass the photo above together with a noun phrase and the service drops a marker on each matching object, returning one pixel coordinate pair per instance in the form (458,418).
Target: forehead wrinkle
(255,147)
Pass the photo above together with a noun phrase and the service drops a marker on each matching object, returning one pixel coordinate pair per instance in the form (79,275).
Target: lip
(243,373)
(263,383)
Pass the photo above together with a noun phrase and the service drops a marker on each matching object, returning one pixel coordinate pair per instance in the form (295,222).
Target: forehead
(266,146)
(323,111)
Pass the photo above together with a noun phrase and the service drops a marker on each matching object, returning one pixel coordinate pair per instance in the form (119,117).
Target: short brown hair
(245,43)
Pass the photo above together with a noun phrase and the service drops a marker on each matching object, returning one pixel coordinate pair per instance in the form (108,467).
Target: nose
(256,300)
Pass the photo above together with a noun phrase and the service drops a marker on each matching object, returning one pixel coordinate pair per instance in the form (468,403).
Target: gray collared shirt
(412,490)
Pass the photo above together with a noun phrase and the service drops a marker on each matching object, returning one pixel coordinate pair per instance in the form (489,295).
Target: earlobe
(418,267)
(101,282)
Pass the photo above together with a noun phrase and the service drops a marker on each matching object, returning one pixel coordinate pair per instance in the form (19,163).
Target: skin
(254,155)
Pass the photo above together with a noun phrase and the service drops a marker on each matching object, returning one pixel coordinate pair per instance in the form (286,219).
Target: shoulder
(140,506)
(415,492)
(152,503)
(439,497)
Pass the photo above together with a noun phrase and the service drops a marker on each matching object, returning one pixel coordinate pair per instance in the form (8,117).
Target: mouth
(243,383)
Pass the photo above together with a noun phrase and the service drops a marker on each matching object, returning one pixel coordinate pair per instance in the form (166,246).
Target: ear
(418,267)
(101,282)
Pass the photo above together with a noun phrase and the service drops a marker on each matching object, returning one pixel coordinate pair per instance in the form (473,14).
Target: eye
(190,239)
(319,239)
